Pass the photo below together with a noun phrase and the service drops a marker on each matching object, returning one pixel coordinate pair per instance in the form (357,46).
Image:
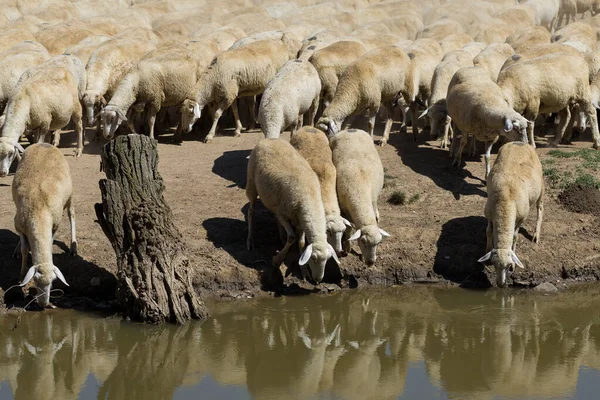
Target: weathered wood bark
(154,283)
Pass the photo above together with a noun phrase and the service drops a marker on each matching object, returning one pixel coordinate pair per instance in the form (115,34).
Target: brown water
(409,342)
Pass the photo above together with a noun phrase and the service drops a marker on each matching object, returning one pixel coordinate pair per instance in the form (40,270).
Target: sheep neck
(341,107)
(17,116)
(312,223)
(40,239)
(362,213)
(504,225)
(127,91)
(205,89)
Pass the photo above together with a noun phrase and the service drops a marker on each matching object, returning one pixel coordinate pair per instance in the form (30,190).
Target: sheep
(318,41)
(10,37)
(425,55)
(40,199)
(313,145)
(15,61)
(538,50)
(437,110)
(567,8)
(454,42)
(240,72)
(477,107)
(331,62)
(375,78)
(359,181)
(293,92)
(289,188)
(84,49)
(514,184)
(107,65)
(528,36)
(57,38)
(165,80)
(492,58)
(546,12)
(578,34)
(549,84)
(47,98)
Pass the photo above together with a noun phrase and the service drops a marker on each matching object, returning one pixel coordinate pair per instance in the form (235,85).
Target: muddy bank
(436,237)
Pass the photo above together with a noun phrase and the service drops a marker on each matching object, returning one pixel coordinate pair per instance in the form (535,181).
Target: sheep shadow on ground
(233,165)
(230,235)
(461,243)
(436,164)
(85,278)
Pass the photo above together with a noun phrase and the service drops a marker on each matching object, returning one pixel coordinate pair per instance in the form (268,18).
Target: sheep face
(437,117)
(43,275)
(515,129)
(336,226)
(503,260)
(190,112)
(111,117)
(8,152)
(328,125)
(369,238)
(317,254)
(90,100)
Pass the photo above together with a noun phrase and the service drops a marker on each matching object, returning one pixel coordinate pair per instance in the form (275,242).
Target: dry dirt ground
(437,237)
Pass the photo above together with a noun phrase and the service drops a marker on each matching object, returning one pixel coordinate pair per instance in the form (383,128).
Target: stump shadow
(233,165)
(436,164)
(461,243)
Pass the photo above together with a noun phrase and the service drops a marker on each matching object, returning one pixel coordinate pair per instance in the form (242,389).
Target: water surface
(407,342)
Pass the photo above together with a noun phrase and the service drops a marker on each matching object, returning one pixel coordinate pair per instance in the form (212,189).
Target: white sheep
(375,78)
(477,107)
(359,182)
(493,57)
(546,11)
(313,145)
(241,72)
(514,184)
(47,98)
(293,92)
(40,199)
(289,188)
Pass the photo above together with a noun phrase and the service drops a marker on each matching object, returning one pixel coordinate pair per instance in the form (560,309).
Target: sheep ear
(384,233)
(486,257)
(60,276)
(595,104)
(305,255)
(516,260)
(332,251)
(28,276)
(508,125)
(197,110)
(356,235)
(347,223)
(121,114)
(19,147)
(424,113)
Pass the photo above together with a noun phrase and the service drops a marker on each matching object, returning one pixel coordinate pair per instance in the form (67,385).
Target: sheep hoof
(535,239)
(276,261)
(249,244)
(595,146)
(78,152)
(237,134)
(208,139)
(382,142)
(73,250)
(50,306)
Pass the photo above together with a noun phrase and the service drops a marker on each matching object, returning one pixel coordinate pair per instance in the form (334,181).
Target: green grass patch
(414,198)
(397,198)
(587,180)
(552,176)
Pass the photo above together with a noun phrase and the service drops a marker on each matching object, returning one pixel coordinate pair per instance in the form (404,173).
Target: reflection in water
(352,345)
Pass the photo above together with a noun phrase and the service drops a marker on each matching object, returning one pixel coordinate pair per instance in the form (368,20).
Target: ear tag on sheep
(59,275)
(19,147)
(28,276)
(332,251)
(197,111)
(508,125)
(516,260)
(347,223)
(305,255)
(486,257)
(333,129)
(384,233)
(356,235)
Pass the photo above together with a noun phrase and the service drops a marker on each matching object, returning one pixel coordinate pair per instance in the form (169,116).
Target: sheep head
(328,125)
(8,153)
(317,254)
(111,117)
(190,112)
(438,116)
(91,99)
(515,128)
(369,237)
(43,275)
(503,260)
(336,226)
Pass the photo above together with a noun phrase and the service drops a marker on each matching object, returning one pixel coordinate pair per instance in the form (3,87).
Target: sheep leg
(473,151)
(312,111)
(445,140)
(40,136)
(414,115)
(372,116)
(56,138)
(71,212)
(300,121)
(565,120)
(463,143)
(282,233)
(24,253)
(388,124)
(489,232)
(291,238)
(592,117)
(152,111)
(293,128)
(540,216)
(236,115)
(130,120)
(98,131)
(488,152)
(252,109)
(216,115)
(252,194)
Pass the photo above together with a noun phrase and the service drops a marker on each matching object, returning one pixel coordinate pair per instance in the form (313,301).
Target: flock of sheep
(481,69)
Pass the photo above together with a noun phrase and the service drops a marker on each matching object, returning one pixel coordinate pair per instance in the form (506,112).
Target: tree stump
(153,273)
